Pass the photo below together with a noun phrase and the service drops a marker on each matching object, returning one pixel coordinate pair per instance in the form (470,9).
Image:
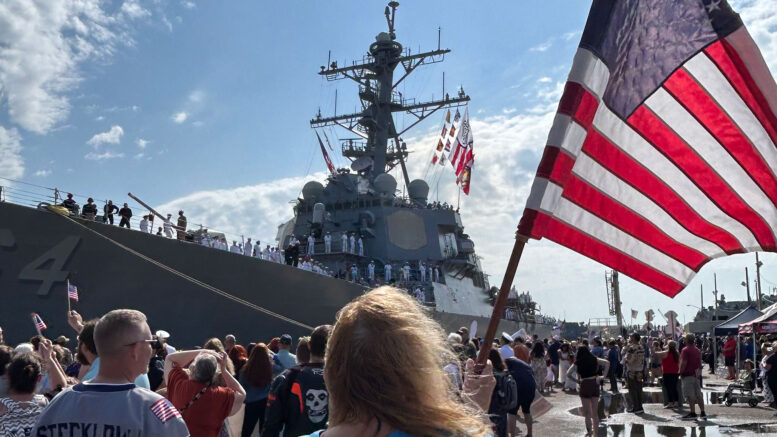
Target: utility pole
(747,285)
(715,293)
(701,295)
(758,265)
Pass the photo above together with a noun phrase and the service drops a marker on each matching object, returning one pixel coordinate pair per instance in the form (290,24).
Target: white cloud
(543,47)
(99,118)
(188,4)
(133,10)
(167,23)
(544,80)
(42,47)
(112,136)
(139,155)
(11,161)
(196,96)
(94,156)
(42,173)
(142,143)
(761,22)
(180,117)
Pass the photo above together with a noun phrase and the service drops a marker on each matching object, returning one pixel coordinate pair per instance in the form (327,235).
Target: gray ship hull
(192,291)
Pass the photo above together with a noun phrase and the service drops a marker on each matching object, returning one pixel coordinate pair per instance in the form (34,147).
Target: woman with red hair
(255,377)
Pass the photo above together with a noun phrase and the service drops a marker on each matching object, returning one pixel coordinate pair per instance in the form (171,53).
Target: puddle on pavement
(638,430)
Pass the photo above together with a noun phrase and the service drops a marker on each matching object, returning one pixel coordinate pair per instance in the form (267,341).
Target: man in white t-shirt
(111,403)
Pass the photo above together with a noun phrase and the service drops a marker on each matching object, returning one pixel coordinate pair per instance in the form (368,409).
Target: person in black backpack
(505,396)
(298,402)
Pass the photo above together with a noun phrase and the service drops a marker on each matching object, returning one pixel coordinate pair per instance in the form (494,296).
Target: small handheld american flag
(39,325)
(72,292)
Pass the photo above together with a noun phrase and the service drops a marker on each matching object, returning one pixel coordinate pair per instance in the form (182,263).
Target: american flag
(164,410)
(328,161)
(38,322)
(72,292)
(662,153)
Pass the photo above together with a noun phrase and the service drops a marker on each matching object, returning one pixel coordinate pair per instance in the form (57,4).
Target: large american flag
(662,153)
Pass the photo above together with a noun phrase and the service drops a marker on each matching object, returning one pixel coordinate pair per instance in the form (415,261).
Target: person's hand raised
(75,321)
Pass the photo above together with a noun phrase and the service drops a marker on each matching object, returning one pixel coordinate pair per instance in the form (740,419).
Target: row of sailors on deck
(349,243)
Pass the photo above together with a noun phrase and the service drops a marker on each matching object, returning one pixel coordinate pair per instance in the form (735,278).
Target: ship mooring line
(193,280)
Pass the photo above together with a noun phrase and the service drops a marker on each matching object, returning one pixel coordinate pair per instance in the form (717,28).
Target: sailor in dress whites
(371,271)
(344,241)
(387,268)
(235,248)
(406,272)
(360,243)
(436,274)
(144,225)
(267,253)
(328,243)
(311,245)
(248,248)
(352,244)
(167,225)
(422,269)
(354,272)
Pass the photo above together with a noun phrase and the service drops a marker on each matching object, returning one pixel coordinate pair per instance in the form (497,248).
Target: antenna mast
(380,99)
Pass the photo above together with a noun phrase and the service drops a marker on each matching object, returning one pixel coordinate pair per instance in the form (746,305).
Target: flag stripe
(634,200)
(636,175)
(727,133)
(721,89)
(598,204)
(590,72)
(748,60)
(596,228)
(578,103)
(555,165)
(625,138)
(750,95)
(725,180)
(572,238)
(727,203)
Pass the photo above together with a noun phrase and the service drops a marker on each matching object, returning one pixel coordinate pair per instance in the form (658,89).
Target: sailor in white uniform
(436,274)
(167,225)
(354,272)
(311,245)
(406,271)
(205,240)
(248,248)
(267,254)
(387,268)
(235,248)
(344,240)
(360,243)
(422,270)
(328,243)
(371,270)
(257,250)
(352,244)
(144,225)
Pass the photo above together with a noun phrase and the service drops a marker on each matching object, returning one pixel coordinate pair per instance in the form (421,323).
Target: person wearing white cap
(352,243)
(505,347)
(167,225)
(371,270)
(387,269)
(311,245)
(422,269)
(344,242)
(162,336)
(248,248)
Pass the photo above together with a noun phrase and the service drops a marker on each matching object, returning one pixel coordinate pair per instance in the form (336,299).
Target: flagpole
(501,299)
(67,293)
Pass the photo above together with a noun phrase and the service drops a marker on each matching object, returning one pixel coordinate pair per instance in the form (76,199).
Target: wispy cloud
(95,156)
(42,173)
(11,161)
(180,117)
(542,47)
(188,4)
(142,143)
(112,136)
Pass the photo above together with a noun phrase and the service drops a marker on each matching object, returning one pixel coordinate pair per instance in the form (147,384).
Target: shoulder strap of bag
(197,396)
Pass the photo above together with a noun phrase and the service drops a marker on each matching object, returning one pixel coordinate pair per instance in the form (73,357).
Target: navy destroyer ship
(195,291)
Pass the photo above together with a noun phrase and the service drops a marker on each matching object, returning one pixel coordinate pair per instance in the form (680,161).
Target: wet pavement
(738,419)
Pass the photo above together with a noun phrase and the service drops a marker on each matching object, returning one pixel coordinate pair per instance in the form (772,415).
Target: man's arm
(57,376)
(231,382)
(682,362)
(75,321)
(274,417)
(181,359)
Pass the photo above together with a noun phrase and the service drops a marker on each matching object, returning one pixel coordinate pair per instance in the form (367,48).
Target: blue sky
(204,105)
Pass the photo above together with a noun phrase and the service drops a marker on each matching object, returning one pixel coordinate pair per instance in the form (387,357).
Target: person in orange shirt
(520,350)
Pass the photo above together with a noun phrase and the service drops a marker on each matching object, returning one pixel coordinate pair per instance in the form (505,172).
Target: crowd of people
(123,379)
